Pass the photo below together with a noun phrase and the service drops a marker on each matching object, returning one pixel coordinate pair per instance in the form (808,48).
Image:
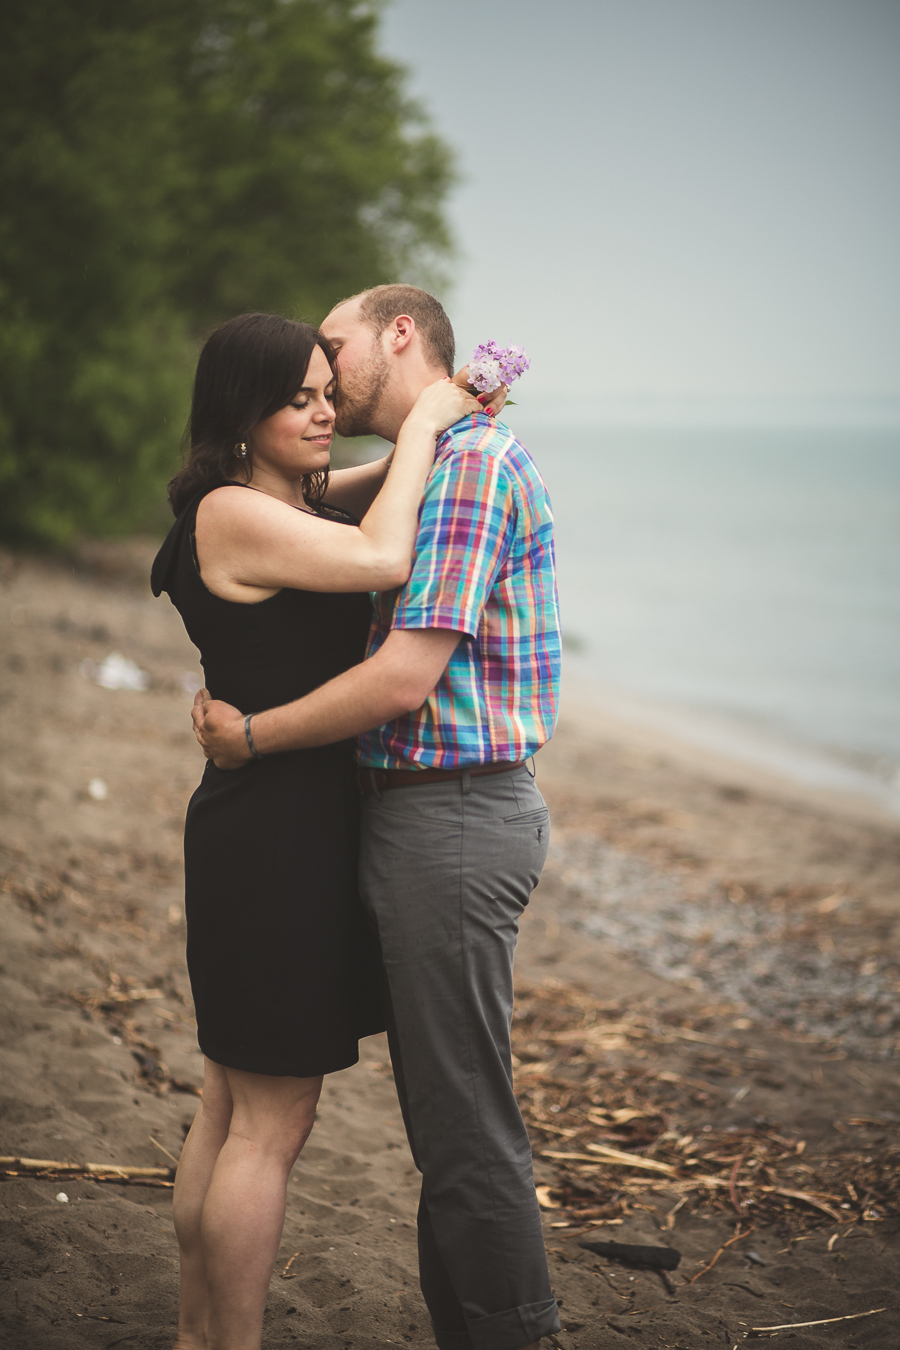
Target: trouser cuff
(509,1330)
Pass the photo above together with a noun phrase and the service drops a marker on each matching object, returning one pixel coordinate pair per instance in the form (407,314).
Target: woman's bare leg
(243,1213)
(195,1168)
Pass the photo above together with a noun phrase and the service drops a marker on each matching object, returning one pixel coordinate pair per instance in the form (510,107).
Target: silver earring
(241,450)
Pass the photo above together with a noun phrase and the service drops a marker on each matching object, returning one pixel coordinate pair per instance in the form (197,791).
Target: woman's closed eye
(299,404)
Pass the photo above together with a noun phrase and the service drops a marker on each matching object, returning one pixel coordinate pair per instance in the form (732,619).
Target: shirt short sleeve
(466,527)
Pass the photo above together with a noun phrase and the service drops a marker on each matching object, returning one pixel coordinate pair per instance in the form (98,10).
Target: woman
(271,582)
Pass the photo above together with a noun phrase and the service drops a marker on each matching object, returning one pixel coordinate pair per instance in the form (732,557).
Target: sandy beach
(713,956)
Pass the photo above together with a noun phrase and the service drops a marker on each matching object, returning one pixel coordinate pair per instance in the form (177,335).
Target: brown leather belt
(382,780)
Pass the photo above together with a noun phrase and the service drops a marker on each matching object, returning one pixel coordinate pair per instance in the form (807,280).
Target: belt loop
(533,769)
(373,782)
(465,779)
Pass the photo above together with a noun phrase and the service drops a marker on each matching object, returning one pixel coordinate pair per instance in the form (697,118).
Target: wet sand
(679,885)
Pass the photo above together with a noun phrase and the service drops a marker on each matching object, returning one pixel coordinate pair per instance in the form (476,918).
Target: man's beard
(356,408)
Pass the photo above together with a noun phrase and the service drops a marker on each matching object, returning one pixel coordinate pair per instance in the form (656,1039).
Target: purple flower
(492,365)
(513,363)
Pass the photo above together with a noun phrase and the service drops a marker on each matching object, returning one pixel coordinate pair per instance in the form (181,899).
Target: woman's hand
(491,403)
(440,405)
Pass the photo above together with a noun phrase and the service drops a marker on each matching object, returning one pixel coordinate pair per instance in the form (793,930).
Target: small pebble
(62,1198)
(98,790)
(755,1258)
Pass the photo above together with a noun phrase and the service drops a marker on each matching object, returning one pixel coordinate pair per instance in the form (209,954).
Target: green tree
(170,163)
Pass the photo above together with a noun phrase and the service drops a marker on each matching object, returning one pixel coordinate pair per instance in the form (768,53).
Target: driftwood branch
(162,1149)
(822,1322)
(736,1237)
(17,1165)
(615,1156)
(657,1258)
(732,1185)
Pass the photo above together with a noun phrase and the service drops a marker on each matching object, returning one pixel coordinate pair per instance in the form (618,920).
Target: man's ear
(401,333)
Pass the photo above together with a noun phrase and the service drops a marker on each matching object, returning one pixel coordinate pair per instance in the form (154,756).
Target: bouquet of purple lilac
(492,365)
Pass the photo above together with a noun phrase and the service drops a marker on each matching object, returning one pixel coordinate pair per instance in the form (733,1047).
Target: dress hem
(281,1068)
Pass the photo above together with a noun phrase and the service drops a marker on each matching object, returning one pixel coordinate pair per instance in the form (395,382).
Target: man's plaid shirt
(483,566)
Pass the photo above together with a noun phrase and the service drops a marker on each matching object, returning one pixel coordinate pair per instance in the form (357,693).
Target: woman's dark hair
(249,368)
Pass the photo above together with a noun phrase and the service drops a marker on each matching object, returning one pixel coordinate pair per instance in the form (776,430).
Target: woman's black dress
(281,962)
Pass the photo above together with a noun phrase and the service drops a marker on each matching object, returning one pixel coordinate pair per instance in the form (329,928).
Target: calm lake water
(748,574)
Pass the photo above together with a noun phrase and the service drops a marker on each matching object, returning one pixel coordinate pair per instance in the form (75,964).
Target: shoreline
(728,750)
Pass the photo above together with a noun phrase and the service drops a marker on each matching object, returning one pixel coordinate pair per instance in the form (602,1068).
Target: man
(458,690)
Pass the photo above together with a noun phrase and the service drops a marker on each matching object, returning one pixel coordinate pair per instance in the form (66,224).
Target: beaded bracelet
(251,747)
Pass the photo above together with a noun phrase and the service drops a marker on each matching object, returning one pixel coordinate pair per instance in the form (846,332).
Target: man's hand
(220,730)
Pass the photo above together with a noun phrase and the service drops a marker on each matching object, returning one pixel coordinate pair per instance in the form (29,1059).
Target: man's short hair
(381,305)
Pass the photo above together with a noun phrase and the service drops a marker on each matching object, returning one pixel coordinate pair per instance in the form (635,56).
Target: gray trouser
(446,870)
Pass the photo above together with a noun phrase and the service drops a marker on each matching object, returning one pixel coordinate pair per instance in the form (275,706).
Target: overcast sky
(672,197)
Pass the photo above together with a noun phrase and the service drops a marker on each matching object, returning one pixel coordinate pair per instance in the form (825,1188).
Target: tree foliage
(170,163)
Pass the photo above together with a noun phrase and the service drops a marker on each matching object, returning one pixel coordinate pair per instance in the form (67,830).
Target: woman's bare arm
(250,544)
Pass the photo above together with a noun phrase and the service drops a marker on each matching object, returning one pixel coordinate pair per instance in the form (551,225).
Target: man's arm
(395,681)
